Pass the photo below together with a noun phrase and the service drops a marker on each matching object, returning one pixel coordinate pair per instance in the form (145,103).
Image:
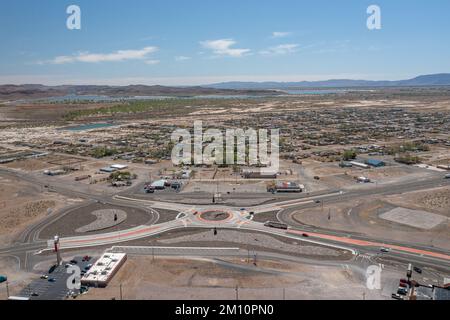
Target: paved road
(28,241)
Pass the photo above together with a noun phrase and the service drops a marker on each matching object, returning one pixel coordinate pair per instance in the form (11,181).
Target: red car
(305,235)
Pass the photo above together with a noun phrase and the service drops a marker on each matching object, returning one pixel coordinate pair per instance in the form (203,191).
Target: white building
(104,269)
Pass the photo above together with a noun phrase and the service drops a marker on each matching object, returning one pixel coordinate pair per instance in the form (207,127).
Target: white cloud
(182,58)
(151,62)
(278,34)
(281,49)
(222,47)
(120,55)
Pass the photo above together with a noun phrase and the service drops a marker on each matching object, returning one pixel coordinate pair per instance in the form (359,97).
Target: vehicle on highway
(396,296)
(447,176)
(3,279)
(317,201)
(317,178)
(150,189)
(51,280)
(403,281)
(44,277)
(385,250)
(52,268)
(275,224)
(34,294)
(417,269)
(403,285)
(305,235)
(87,258)
(73,262)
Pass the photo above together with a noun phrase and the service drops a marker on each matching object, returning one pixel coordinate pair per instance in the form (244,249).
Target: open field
(162,278)
(22,204)
(364,216)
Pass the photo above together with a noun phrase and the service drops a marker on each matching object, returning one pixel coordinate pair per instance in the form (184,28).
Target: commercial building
(119,166)
(159,184)
(288,187)
(101,273)
(375,163)
(359,164)
(258,174)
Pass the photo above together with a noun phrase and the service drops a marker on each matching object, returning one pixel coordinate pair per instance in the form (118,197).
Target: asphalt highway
(28,242)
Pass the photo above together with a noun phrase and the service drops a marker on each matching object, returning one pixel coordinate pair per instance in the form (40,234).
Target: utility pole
(7,289)
(237,293)
(121,296)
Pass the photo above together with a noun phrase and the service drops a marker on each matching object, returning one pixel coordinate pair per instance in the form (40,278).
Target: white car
(385,250)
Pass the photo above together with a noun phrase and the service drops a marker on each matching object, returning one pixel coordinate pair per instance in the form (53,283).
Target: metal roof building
(375,163)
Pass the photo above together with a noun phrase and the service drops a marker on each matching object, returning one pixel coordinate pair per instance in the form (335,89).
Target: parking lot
(53,285)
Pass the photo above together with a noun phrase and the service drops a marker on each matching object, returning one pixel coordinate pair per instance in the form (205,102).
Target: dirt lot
(22,204)
(17,280)
(437,200)
(165,278)
(362,217)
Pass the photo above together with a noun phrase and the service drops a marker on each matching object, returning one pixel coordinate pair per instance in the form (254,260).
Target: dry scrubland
(22,204)
(143,278)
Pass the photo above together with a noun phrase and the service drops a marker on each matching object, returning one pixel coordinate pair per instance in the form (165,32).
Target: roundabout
(215,216)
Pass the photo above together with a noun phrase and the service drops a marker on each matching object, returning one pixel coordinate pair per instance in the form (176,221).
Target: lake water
(102,98)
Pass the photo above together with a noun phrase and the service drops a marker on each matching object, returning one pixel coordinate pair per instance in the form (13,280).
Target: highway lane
(303,202)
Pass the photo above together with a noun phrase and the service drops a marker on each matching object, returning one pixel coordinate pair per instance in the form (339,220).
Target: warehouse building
(257,174)
(359,164)
(375,163)
(288,187)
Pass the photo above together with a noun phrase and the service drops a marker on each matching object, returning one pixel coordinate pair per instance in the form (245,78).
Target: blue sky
(191,42)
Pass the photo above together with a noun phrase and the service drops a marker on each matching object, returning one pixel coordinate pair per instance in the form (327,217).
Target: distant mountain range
(37,91)
(442,79)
